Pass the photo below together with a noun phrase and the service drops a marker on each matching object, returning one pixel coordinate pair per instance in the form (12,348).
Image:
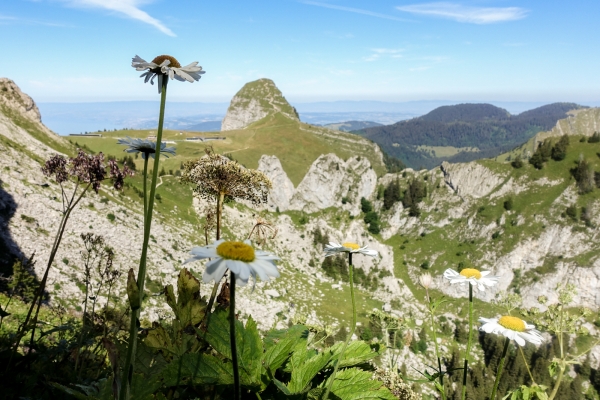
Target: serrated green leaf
(170,297)
(189,309)
(356,384)
(303,374)
(198,369)
(217,334)
(250,350)
(132,291)
(249,345)
(159,339)
(281,346)
(144,386)
(356,353)
(525,392)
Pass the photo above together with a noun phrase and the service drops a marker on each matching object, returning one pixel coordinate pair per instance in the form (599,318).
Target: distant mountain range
(463,132)
(66,118)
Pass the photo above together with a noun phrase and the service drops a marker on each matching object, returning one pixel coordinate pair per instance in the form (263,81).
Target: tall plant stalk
(437,354)
(350,334)
(469,342)
(500,369)
(213,294)
(141,276)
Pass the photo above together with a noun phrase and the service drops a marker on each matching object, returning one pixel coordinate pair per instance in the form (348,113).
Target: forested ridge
(490,129)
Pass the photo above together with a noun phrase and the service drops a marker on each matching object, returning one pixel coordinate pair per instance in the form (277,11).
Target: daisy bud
(426,280)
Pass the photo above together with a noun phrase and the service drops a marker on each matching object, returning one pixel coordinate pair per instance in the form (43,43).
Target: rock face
(255,101)
(470,179)
(330,182)
(12,97)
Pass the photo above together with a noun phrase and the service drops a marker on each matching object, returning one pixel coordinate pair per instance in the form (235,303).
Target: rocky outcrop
(470,179)
(329,182)
(580,122)
(12,97)
(255,101)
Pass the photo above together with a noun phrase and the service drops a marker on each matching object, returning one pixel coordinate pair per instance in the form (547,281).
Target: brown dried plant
(262,231)
(215,176)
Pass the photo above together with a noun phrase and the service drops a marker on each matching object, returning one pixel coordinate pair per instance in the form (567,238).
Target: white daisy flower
(163,66)
(333,248)
(239,257)
(481,279)
(513,328)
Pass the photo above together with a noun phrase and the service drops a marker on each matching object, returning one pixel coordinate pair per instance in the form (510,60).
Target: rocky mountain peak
(255,101)
(12,97)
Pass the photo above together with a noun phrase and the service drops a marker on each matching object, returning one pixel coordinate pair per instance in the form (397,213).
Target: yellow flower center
(174,63)
(236,251)
(512,323)
(352,246)
(471,273)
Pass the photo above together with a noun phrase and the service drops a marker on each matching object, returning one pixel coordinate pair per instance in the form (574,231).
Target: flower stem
(350,334)
(213,294)
(468,352)
(527,366)
(141,276)
(147,155)
(234,357)
(500,368)
(437,353)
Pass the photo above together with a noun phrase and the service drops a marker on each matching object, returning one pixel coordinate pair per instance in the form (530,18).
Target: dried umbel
(262,231)
(215,175)
(85,168)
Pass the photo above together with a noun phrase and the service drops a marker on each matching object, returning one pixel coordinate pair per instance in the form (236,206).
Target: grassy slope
(296,145)
(452,243)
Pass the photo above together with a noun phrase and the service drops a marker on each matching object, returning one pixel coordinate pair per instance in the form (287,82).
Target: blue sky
(326,50)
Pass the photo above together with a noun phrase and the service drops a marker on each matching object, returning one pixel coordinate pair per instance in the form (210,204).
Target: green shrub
(365,205)
(111,217)
(374,227)
(371,216)
(508,204)
(517,162)
(571,212)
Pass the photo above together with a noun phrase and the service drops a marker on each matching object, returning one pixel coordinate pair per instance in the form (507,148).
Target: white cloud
(353,10)
(129,8)
(382,52)
(472,15)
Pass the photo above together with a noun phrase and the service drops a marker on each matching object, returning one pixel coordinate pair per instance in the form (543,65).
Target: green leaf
(133,292)
(357,352)
(250,352)
(217,334)
(144,386)
(553,368)
(159,339)
(3,313)
(304,373)
(356,384)
(189,309)
(198,369)
(280,347)
(249,345)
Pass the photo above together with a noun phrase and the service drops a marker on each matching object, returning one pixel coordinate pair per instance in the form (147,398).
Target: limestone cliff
(255,101)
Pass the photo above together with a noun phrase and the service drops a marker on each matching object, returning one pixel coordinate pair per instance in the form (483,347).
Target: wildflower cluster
(85,168)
